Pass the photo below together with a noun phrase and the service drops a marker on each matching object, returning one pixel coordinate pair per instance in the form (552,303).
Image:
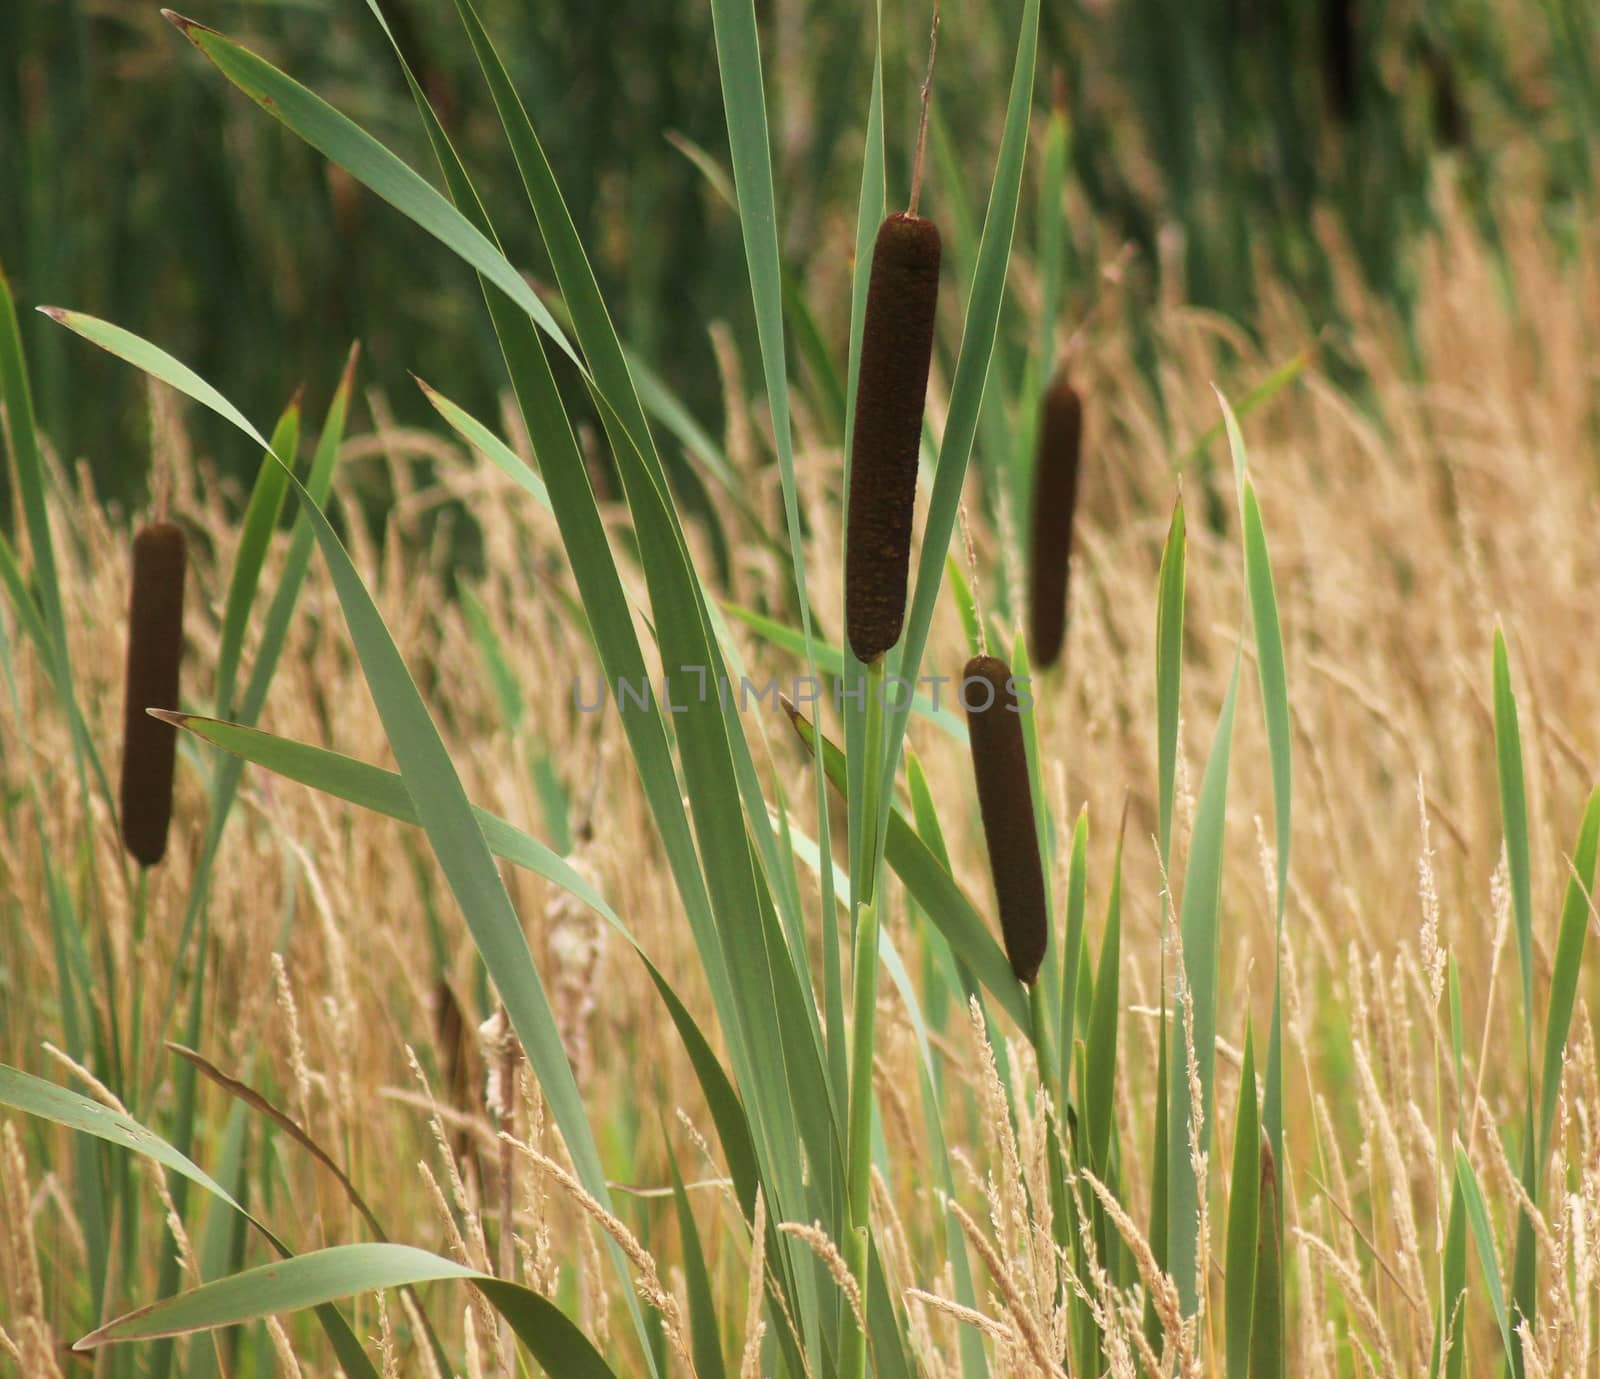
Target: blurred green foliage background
(1217,138)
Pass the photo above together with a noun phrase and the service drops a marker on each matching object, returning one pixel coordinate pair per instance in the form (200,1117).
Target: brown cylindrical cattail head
(155,647)
(1055,496)
(1000,765)
(1340,58)
(896,348)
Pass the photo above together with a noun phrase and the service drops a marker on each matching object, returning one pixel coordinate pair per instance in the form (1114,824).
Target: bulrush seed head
(155,648)
(896,349)
(1000,766)
(1055,497)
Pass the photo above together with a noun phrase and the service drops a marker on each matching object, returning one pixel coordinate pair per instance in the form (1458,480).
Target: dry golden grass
(1400,532)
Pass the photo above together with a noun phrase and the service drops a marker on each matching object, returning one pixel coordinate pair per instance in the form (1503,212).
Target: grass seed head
(1000,766)
(896,349)
(1055,497)
(155,649)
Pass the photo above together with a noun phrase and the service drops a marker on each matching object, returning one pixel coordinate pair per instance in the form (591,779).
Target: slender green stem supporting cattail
(155,648)
(1044,1049)
(1055,497)
(141,911)
(1005,797)
(864,1007)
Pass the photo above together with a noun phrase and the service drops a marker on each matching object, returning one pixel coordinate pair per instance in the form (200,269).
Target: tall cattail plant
(892,387)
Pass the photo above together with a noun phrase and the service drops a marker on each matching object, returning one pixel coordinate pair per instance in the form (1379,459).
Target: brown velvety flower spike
(1000,766)
(896,349)
(1055,496)
(155,648)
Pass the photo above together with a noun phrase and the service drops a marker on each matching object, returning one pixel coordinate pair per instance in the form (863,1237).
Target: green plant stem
(1063,1225)
(141,899)
(1044,1050)
(853,1343)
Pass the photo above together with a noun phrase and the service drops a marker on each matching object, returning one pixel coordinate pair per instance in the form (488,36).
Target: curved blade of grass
(1262,393)
(1244,1220)
(489,445)
(1196,999)
(1483,1237)
(340,1271)
(1170,589)
(343,142)
(24,1092)
(1169,672)
(431,780)
(247,1098)
(384,792)
(1274,680)
(64,1107)
(1566,966)
(260,521)
(1514,820)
